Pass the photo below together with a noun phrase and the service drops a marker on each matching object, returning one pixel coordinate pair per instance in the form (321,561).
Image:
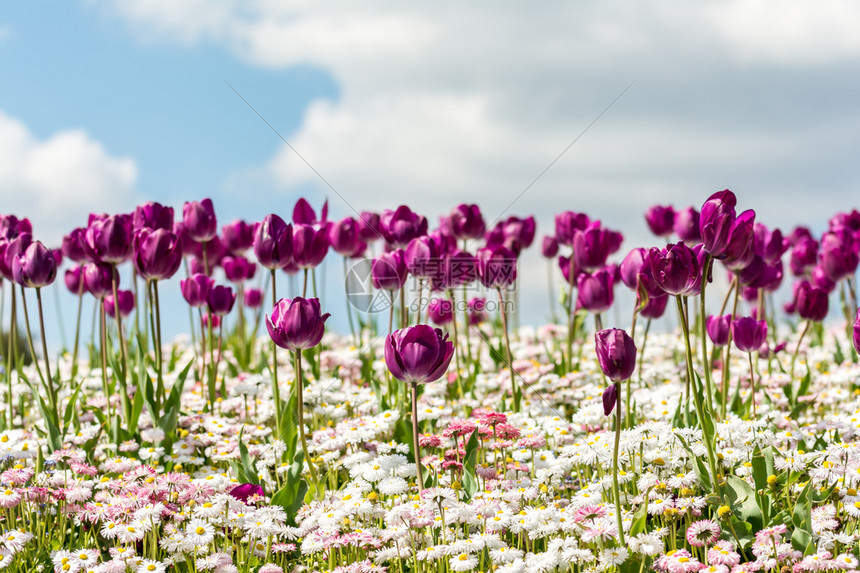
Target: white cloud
(58,181)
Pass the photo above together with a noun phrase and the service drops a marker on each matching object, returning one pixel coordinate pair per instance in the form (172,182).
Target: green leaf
(70,407)
(744,503)
(698,464)
(470,481)
(54,440)
(168,420)
(249,472)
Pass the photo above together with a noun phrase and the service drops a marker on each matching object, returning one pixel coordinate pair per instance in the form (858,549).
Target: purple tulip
(595,291)
(769,244)
(418,354)
(343,236)
(110,240)
(126,303)
(748,333)
(477,311)
(856,333)
(567,224)
(243,492)
(655,306)
(497,267)
(11,226)
(635,272)
(238,269)
(593,246)
(273,242)
(304,214)
(674,269)
(221,300)
(198,218)
(74,279)
(35,267)
(718,328)
(98,278)
(820,279)
(458,268)
(297,324)
(811,302)
(157,254)
(152,216)
(440,311)
(195,289)
(401,226)
(74,245)
(467,222)
(9,251)
(804,254)
(237,237)
(565,264)
(421,257)
(740,249)
(726,235)
(687,225)
(837,257)
(388,271)
(549,247)
(660,219)
(610,398)
(616,353)
(368,227)
(443,244)
(309,245)
(253,298)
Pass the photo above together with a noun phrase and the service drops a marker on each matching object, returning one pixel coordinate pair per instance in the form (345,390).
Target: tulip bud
(195,289)
(749,334)
(199,220)
(718,328)
(616,353)
(660,219)
(220,300)
(418,354)
(297,324)
(35,267)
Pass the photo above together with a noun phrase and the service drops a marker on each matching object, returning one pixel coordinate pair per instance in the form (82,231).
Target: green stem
(706,363)
(52,391)
(78,325)
(159,357)
(509,358)
(616,490)
(30,336)
(301,414)
(276,391)
(797,348)
(415,437)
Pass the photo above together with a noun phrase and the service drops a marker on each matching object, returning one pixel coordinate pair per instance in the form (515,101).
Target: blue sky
(107,104)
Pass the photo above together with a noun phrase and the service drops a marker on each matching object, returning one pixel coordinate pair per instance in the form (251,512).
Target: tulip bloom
(440,311)
(110,240)
(616,353)
(35,267)
(660,219)
(687,225)
(388,271)
(418,354)
(497,266)
(253,298)
(297,324)
(401,226)
(237,237)
(125,303)
(238,269)
(549,247)
(152,216)
(467,222)
(718,329)
(245,491)
(368,227)
(811,302)
(749,334)
(343,236)
(309,246)
(421,257)
(595,291)
(198,218)
(856,333)
(74,247)
(220,300)
(567,224)
(98,278)
(675,269)
(157,254)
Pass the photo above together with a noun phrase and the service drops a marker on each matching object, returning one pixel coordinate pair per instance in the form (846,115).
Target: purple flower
(245,491)
(74,279)
(748,333)
(9,251)
(811,302)
(660,219)
(11,226)
(836,256)
(718,328)
(477,310)
(157,254)
(304,214)
(726,235)
(253,298)
(440,311)
(595,291)
(514,233)
(238,269)
(126,303)
(152,216)
(593,246)
(195,289)
(635,271)
(421,257)
(418,354)
(674,269)
(297,324)
(343,236)
(769,244)
(740,248)
(497,266)
(273,242)
(368,227)
(804,254)
(610,398)
(237,237)
(388,271)
(35,267)
(565,265)
(98,278)
(687,225)
(616,353)
(221,300)
(199,220)
(458,268)
(655,306)
(401,226)
(74,245)
(309,245)
(549,247)
(110,239)
(467,222)
(856,333)
(567,224)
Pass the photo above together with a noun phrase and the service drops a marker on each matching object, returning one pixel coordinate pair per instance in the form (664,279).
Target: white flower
(463,562)
(199,533)
(614,556)
(150,566)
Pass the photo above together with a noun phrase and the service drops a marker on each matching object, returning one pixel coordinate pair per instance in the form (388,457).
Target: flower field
(266,442)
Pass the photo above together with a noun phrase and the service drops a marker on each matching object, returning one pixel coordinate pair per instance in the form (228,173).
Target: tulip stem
(12,334)
(514,389)
(797,348)
(124,357)
(276,391)
(404,318)
(159,357)
(706,363)
(456,340)
(415,437)
(103,345)
(78,323)
(305,284)
(52,392)
(725,384)
(549,282)
(30,336)
(348,311)
(466,330)
(642,352)
(570,315)
(301,414)
(752,385)
(615,489)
